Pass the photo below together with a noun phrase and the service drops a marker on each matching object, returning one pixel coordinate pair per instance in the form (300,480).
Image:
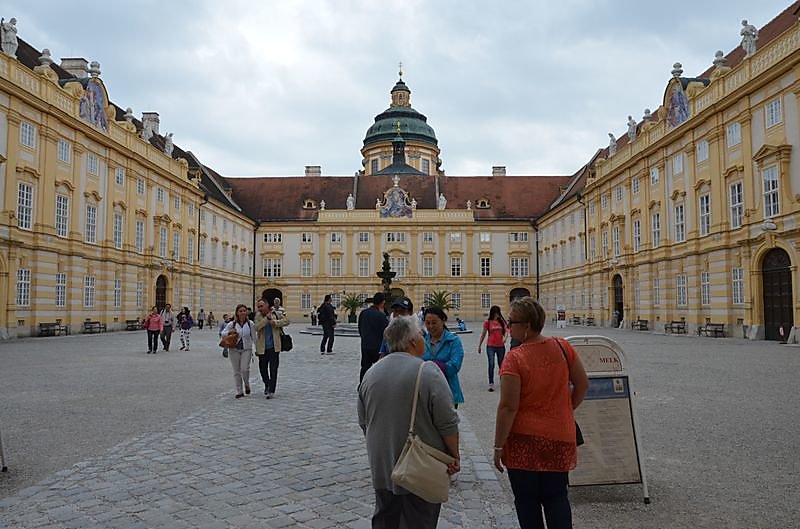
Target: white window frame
(363,236)
(637,235)
(520,267)
(705,288)
(681,292)
(635,185)
(702,151)
(89,285)
(61,289)
(615,240)
(90,226)
(27,134)
(677,163)
(772,113)
(190,250)
(657,291)
(518,236)
(605,244)
(455,300)
(485,237)
(273,266)
(162,242)
(336,266)
(176,245)
(737,284)
(160,195)
(117,230)
(427,237)
(455,266)
(23,287)
(704,213)
(117,292)
(306,266)
(119,176)
(336,237)
(305,301)
(92,164)
(363,266)
(603,201)
(140,187)
(64,151)
(680,223)
(771,191)
(306,237)
(486,266)
(24,206)
(733,134)
(655,228)
(486,300)
(62,215)
(176,203)
(139,240)
(654,176)
(618,193)
(736,204)
(427,266)
(399,266)
(140,294)
(455,237)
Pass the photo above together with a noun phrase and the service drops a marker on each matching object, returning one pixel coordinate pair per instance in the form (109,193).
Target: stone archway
(618,308)
(776,281)
(270,294)
(161,292)
(518,293)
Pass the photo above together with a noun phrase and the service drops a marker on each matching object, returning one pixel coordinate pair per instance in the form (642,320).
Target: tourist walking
(497,330)
(242,352)
(401,306)
(385,397)
(185,323)
(314,315)
(327,318)
(201,319)
(220,328)
(445,349)
(154,325)
(372,321)
(535,426)
(268,324)
(211,319)
(168,318)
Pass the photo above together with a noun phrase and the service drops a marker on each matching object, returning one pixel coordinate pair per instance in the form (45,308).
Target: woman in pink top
(535,429)
(497,330)
(154,325)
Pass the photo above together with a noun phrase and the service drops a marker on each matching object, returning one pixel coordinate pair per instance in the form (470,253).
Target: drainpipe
(255,234)
(205,201)
(536,251)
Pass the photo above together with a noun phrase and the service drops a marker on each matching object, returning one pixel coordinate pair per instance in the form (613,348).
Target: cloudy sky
(265,88)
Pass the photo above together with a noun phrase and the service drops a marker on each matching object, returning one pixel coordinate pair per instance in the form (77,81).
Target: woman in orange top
(535,428)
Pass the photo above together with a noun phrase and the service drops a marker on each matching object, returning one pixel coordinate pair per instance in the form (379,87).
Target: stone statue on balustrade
(8,36)
(168,144)
(749,35)
(351,202)
(442,201)
(631,128)
(612,144)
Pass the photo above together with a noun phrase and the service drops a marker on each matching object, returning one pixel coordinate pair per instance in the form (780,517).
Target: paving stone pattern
(298,460)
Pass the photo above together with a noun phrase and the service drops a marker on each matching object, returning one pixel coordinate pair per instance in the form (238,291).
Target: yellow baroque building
(691,216)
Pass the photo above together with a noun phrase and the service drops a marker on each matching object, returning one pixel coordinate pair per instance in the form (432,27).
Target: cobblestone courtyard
(98,434)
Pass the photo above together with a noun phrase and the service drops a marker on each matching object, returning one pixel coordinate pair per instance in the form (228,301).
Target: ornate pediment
(396,202)
(778,151)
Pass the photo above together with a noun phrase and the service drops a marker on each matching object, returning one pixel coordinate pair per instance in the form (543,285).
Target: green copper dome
(413,125)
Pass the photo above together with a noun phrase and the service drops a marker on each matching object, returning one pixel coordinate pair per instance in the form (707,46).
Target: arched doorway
(161,292)
(518,293)
(776,278)
(270,294)
(618,307)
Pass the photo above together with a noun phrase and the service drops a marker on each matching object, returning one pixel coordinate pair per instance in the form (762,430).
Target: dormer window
(309,204)
(483,203)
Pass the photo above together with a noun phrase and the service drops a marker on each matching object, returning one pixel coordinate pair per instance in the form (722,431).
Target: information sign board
(612,453)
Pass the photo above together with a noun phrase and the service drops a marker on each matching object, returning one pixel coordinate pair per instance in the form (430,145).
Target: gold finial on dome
(397,126)
(400,65)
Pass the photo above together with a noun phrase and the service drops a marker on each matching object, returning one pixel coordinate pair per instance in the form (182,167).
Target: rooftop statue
(631,128)
(351,202)
(749,35)
(8,36)
(442,201)
(168,145)
(612,144)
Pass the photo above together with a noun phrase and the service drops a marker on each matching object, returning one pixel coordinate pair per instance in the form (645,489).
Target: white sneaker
(491,387)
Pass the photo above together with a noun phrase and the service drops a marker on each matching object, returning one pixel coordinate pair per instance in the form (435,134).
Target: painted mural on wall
(93,105)
(396,204)
(678,108)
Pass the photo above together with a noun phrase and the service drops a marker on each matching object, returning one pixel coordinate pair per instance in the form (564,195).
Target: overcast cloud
(265,88)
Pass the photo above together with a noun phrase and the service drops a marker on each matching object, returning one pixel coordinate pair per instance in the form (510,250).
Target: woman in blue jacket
(445,349)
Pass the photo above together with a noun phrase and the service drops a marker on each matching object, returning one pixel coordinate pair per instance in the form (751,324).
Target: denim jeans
(490,353)
(534,491)
(152,340)
(268,367)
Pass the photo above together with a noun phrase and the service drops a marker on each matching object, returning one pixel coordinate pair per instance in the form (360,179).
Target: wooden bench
(90,327)
(676,327)
(589,321)
(133,325)
(52,329)
(639,325)
(716,330)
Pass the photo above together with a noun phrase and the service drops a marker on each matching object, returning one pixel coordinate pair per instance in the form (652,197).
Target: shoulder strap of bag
(416,396)
(563,352)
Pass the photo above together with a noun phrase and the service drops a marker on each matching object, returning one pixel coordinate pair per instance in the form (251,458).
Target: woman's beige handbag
(422,469)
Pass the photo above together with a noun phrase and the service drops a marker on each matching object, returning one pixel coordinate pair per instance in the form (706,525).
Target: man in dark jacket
(371,324)
(327,318)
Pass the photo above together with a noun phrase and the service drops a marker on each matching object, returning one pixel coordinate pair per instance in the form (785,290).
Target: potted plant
(441,299)
(351,302)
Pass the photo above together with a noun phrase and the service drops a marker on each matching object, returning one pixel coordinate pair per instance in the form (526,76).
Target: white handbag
(422,469)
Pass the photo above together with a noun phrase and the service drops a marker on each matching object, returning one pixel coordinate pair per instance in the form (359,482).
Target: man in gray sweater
(384,413)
